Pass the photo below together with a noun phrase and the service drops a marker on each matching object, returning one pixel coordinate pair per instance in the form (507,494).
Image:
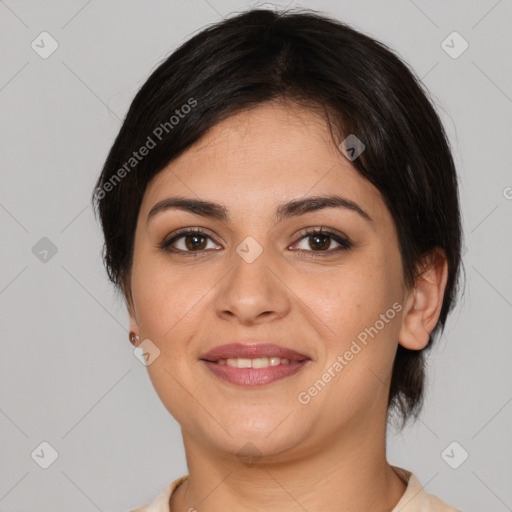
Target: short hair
(358,84)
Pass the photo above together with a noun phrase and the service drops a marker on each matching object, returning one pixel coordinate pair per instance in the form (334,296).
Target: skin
(329,454)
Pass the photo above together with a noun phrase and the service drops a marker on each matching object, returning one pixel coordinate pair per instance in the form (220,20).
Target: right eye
(193,240)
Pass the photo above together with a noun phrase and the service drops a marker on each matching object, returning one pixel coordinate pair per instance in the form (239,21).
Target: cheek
(165,297)
(358,353)
(351,299)
(168,304)
(357,306)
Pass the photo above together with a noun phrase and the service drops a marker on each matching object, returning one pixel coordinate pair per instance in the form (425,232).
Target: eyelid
(321,230)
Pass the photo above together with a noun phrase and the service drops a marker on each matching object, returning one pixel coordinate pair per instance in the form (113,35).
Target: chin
(270,442)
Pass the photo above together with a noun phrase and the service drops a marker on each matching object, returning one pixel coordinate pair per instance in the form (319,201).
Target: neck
(343,472)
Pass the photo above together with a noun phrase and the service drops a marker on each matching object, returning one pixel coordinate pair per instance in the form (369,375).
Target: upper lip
(251,351)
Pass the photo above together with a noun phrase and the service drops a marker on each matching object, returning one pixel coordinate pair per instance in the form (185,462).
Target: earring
(134,338)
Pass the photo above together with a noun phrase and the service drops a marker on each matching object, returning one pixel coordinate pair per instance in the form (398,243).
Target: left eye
(320,241)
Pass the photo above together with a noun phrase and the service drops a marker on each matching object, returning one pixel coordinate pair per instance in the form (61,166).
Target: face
(256,277)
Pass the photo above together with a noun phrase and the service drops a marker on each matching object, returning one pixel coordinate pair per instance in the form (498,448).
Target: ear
(134,326)
(424,301)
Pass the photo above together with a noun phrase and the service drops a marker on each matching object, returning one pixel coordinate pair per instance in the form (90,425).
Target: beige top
(415,499)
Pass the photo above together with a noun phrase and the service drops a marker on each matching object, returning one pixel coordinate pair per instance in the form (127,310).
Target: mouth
(253,364)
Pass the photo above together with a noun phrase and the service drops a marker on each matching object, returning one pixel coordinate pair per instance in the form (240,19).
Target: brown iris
(195,244)
(316,238)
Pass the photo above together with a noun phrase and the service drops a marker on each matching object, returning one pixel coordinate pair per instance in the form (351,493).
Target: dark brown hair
(361,86)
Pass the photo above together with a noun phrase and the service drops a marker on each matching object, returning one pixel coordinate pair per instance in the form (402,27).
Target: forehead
(260,157)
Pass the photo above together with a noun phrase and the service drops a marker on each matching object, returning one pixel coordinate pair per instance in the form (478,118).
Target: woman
(281,214)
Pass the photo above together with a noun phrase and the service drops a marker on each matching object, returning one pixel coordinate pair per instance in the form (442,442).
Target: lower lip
(251,377)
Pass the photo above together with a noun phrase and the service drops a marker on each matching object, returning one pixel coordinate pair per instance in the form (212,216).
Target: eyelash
(344,243)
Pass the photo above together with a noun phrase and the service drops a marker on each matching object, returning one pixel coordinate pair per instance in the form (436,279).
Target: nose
(252,292)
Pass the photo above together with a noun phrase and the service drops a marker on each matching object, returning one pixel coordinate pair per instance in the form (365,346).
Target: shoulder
(160,502)
(416,499)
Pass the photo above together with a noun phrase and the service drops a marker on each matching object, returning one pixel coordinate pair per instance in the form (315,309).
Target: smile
(253,364)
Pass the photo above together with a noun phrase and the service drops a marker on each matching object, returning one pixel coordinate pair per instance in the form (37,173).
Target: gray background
(68,374)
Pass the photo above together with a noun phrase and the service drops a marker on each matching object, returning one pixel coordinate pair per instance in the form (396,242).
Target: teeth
(259,362)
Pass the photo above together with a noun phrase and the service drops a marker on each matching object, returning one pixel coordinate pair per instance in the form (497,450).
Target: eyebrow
(286,210)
